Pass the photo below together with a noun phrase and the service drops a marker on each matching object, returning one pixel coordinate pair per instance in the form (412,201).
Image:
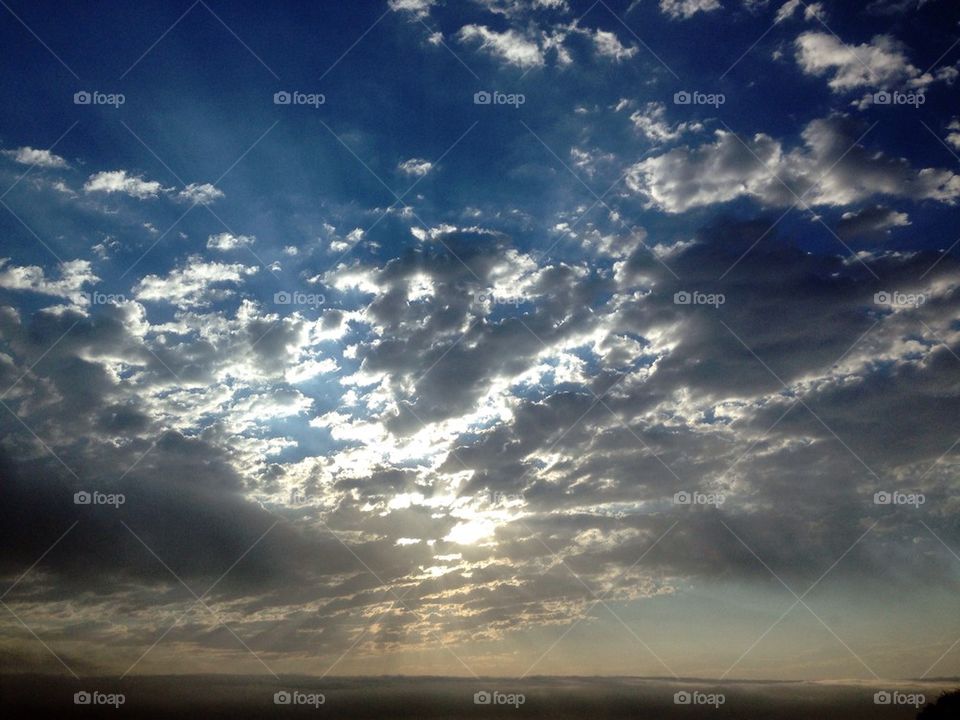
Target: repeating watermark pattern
(695,97)
(895,697)
(698,498)
(95,97)
(492,298)
(696,697)
(483,97)
(899,98)
(295,97)
(495,697)
(296,297)
(896,298)
(897,497)
(95,697)
(295,697)
(98,498)
(695,297)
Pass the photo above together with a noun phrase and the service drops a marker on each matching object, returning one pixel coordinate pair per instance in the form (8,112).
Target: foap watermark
(899,98)
(98,498)
(495,697)
(895,697)
(492,298)
(295,97)
(295,697)
(898,497)
(698,498)
(99,298)
(696,97)
(95,97)
(501,498)
(482,97)
(695,297)
(296,297)
(896,298)
(96,697)
(696,697)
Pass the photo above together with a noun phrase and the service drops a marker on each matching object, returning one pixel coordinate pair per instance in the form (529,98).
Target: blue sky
(411,380)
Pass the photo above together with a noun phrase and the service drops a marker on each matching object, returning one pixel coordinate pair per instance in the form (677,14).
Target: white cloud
(415,166)
(195,284)
(112,181)
(419,8)
(880,63)
(826,171)
(954,137)
(609,45)
(200,193)
(687,8)
(228,241)
(41,158)
(509,45)
(652,122)
(74,274)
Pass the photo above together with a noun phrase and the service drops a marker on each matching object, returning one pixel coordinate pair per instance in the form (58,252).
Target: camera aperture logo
(895,697)
(98,498)
(296,297)
(698,498)
(898,497)
(899,299)
(695,297)
(495,697)
(295,97)
(696,697)
(483,97)
(96,697)
(295,697)
(696,97)
(95,97)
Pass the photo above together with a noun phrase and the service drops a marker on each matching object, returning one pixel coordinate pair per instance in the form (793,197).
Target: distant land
(556,698)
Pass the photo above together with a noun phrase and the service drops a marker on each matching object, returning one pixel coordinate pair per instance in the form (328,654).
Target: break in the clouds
(516,319)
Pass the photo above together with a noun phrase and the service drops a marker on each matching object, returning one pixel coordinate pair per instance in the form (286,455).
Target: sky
(480,337)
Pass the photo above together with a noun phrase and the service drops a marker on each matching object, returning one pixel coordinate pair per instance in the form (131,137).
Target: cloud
(828,170)
(114,181)
(608,45)
(880,63)
(652,122)
(199,193)
(31,156)
(226,241)
(871,221)
(415,166)
(685,9)
(195,284)
(509,46)
(74,275)
(418,8)
(954,137)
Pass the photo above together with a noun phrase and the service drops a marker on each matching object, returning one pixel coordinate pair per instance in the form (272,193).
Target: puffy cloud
(114,181)
(195,284)
(415,166)
(760,168)
(880,63)
(609,45)
(227,241)
(74,275)
(199,193)
(418,8)
(31,156)
(652,122)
